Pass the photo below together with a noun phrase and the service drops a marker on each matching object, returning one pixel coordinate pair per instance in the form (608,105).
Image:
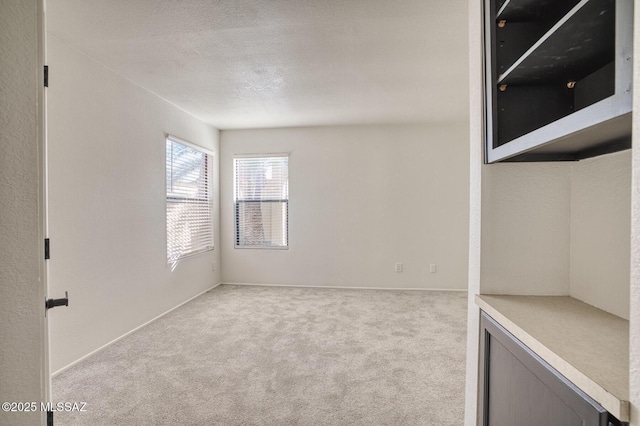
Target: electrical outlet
(398,267)
(432,268)
(213,266)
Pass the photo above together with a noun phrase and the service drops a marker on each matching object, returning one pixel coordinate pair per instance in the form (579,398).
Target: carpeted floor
(282,356)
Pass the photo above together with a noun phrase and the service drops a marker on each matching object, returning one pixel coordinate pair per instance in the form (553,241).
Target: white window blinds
(261,201)
(189,215)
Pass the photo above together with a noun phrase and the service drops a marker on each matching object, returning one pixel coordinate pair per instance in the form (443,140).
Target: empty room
(363,212)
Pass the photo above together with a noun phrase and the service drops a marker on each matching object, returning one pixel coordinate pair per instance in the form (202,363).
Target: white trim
(457,290)
(63,369)
(265,155)
(261,247)
(191,254)
(189,144)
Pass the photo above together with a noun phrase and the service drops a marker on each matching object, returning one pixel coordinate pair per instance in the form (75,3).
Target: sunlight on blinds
(261,201)
(189,220)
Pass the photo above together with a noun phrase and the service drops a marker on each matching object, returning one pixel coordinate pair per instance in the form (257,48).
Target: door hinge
(46,76)
(47,252)
(49,418)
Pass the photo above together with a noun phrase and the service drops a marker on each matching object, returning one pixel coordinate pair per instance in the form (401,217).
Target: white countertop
(587,345)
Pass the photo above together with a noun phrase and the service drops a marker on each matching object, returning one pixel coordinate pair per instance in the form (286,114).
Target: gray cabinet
(558,78)
(519,388)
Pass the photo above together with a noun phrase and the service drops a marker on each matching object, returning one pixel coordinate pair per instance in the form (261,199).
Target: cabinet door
(519,388)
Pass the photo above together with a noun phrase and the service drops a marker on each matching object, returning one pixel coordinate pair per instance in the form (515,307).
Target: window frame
(236,203)
(208,158)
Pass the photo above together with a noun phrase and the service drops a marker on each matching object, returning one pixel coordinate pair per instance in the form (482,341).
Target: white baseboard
(348,287)
(129,332)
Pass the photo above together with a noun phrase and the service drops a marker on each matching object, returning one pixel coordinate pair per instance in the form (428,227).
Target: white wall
(476,132)
(361,199)
(559,228)
(525,228)
(107,205)
(600,230)
(21,274)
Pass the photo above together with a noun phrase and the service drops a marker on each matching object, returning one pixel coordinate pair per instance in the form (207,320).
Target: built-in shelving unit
(552,80)
(588,346)
(558,78)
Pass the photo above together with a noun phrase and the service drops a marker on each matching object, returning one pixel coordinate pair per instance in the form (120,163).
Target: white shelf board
(587,345)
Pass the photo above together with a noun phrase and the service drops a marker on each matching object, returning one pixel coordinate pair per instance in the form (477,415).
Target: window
(261,200)
(189,214)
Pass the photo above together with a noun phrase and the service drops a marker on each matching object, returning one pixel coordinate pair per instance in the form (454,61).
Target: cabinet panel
(518,397)
(518,387)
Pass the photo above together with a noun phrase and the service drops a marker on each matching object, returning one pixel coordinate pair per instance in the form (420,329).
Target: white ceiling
(278,63)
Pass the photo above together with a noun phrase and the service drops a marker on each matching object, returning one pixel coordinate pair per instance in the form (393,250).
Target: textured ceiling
(276,63)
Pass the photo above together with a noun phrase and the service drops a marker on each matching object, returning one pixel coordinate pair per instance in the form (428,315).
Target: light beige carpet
(282,356)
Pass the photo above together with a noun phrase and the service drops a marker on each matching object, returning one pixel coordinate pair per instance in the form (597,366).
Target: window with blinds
(189,214)
(261,201)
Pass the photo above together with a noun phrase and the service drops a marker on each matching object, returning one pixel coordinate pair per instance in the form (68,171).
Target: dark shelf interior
(513,40)
(525,108)
(547,60)
(520,23)
(533,10)
(500,4)
(574,50)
